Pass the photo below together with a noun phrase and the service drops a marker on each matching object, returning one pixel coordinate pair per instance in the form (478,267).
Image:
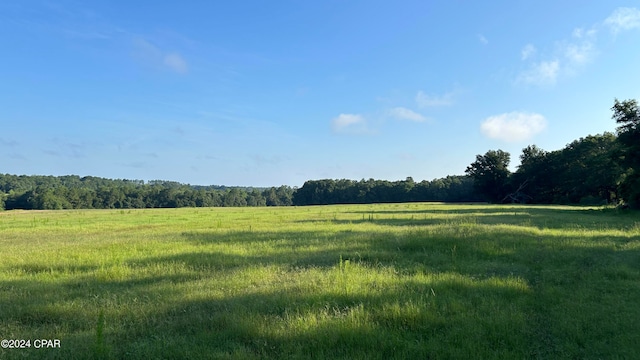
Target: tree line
(322,192)
(74,192)
(594,170)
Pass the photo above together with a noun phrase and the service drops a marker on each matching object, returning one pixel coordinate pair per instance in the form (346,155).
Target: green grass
(389,281)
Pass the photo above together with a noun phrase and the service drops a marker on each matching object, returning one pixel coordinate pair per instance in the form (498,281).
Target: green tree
(271,198)
(491,174)
(581,172)
(532,176)
(627,114)
(235,197)
(255,198)
(285,195)
(589,174)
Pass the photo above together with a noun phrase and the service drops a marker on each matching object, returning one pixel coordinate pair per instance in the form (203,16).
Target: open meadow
(384,281)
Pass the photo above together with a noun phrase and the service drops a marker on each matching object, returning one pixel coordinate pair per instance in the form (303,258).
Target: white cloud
(349,123)
(623,19)
(483,39)
(542,73)
(580,33)
(569,56)
(424,100)
(144,49)
(176,63)
(401,113)
(513,126)
(149,54)
(528,51)
(578,54)
(582,51)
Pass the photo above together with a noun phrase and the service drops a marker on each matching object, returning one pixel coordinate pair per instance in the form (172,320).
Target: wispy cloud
(528,51)
(147,53)
(581,49)
(542,73)
(424,100)
(261,160)
(513,126)
(87,35)
(483,40)
(178,130)
(17,156)
(349,124)
(578,54)
(623,19)
(569,57)
(572,54)
(175,62)
(8,142)
(50,152)
(405,156)
(135,164)
(402,113)
(64,148)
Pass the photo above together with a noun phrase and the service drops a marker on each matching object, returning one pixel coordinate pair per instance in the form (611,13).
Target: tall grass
(358,281)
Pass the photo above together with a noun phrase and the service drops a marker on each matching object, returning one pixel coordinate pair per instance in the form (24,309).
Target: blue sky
(258,93)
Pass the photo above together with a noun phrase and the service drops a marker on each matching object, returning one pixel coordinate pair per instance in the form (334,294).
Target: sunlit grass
(358,281)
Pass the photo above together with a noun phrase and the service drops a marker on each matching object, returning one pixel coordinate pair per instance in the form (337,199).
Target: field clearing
(416,280)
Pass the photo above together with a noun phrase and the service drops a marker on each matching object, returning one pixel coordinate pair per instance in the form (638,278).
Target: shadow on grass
(451,248)
(67,309)
(287,324)
(540,217)
(296,248)
(482,209)
(394,322)
(580,303)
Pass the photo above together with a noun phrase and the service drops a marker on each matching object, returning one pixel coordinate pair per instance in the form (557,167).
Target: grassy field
(392,281)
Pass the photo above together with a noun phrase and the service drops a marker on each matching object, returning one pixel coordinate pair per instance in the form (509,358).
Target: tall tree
(491,174)
(532,177)
(285,195)
(627,114)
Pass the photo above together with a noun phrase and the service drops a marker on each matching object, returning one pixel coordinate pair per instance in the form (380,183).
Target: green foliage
(627,114)
(73,192)
(583,170)
(322,192)
(490,173)
(630,188)
(235,197)
(255,198)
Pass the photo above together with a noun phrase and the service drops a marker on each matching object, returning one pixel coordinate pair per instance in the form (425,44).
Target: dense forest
(598,169)
(320,192)
(74,192)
